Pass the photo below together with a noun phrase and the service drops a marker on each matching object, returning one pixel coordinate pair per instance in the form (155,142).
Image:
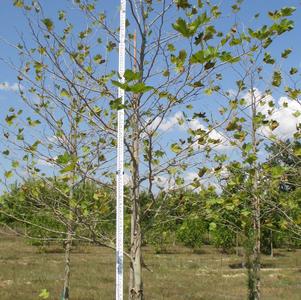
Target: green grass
(182,275)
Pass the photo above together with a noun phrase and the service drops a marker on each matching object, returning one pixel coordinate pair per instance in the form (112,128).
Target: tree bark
(254,287)
(136,284)
(70,220)
(271,244)
(256,252)
(68,246)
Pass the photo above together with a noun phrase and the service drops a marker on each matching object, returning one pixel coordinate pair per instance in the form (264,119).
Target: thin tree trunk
(237,250)
(256,252)
(271,243)
(70,221)
(68,246)
(136,285)
(254,292)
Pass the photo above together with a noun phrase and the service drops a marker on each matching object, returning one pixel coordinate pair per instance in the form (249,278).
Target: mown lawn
(181,275)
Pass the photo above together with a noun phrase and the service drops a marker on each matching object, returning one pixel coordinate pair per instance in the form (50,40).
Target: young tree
(62,103)
(181,52)
(254,123)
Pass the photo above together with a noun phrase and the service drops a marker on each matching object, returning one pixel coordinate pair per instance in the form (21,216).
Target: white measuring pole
(120,158)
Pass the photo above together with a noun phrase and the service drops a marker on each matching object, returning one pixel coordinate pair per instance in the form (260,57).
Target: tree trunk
(70,220)
(271,241)
(236,240)
(135,285)
(256,252)
(68,244)
(254,286)
(135,282)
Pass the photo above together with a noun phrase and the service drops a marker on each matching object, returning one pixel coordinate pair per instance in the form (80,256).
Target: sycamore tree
(173,64)
(53,137)
(171,61)
(178,53)
(256,120)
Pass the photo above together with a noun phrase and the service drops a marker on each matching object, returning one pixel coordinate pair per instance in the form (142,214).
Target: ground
(181,275)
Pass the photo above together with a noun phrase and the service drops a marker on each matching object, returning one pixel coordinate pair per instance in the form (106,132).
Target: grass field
(182,275)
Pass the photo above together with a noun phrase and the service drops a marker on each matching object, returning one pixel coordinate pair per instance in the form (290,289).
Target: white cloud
(57,140)
(164,183)
(283,113)
(49,162)
(6,86)
(177,122)
(126,179)
(166,124)
(191,176)
(214,134)
(172,122)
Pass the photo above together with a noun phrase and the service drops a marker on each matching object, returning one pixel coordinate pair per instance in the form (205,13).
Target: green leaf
(140,88)
(179,60)
(172,170)
(293,70)
(212,226)
(65,93)
(233,125)
(283,12)
(64,158)
(273,124)
(181,26)
(68,168)
(175,148)
(34,146)
(166,73)
(171,48)
(5,152)
(48,23)
(33,123)
(286,53)
(240,135)
(123,86)
(277,171)
(247,147)
(110,46)
(179,180)
(245,213)
(18,3)
(287,11)
(204,55)
(277,78)
(10,119)
(38,66)
(297,150)
(159,153)
(98,59)
(202,171)
(297,114)
(44,294)
(61,15)
(226,56)
(184,4)
(15,164)
(268,58)
(129,75)
(117,104)
(251,159)
(8,174)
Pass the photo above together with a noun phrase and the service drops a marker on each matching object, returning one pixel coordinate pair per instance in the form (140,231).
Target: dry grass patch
(181,275)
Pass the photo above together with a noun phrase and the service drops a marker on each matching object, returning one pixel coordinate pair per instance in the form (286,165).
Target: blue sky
(13,23)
